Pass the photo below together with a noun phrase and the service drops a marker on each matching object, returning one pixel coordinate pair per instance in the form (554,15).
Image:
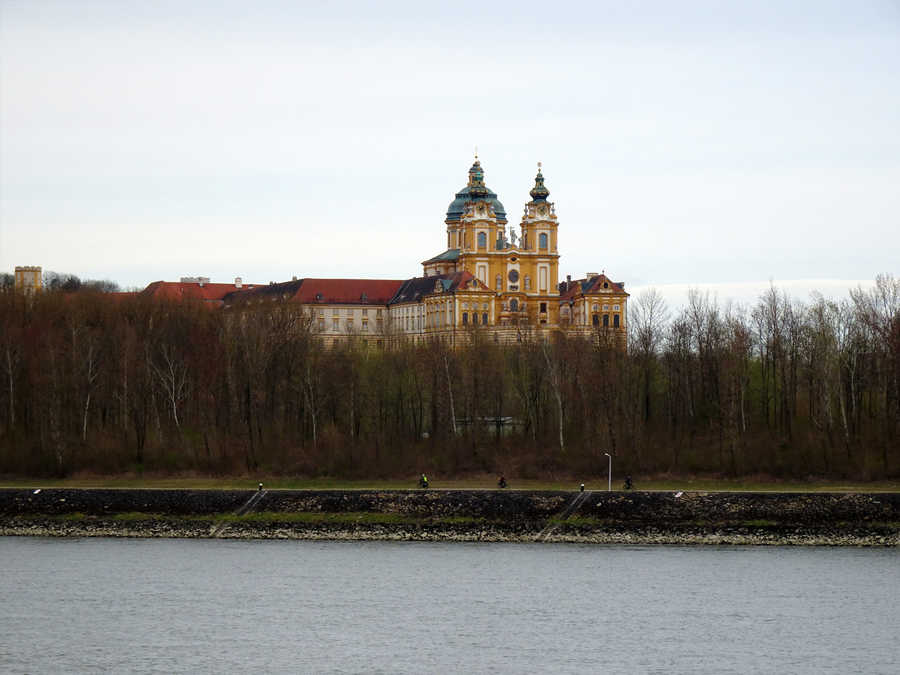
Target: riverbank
(459,515)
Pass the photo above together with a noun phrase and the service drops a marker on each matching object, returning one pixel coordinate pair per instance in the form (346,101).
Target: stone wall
(495,515)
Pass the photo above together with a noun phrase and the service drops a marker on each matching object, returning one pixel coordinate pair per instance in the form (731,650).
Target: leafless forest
(106,384)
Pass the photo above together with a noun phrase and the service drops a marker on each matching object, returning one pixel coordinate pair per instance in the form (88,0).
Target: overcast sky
(685,143)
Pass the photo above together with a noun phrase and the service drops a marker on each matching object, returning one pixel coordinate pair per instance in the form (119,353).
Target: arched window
(484,319)
(513,305)
(542,240)
(465,317)
(606,320)
(615,320)
(596,320)
(482,240)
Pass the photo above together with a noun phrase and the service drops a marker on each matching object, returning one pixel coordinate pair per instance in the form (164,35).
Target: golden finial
(476,153)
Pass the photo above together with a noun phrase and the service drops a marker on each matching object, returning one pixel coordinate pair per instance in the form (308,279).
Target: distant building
(498,283)
(502,284)
(29,279)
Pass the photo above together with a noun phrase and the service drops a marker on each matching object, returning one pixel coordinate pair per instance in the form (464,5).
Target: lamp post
(609,473)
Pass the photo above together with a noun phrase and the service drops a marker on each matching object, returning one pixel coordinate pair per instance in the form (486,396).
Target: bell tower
(539,239)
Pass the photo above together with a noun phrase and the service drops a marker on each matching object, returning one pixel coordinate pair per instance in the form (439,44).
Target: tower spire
(539,193)
(477,187)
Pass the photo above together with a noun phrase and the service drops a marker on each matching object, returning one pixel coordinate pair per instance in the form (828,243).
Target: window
(335,324)
(482,240)
(543,273)
(365,312)
(365,326)
(616,307)
(484,318)
(349,312)
(606,320)
(543,308)
(615,320)
(465,318)
(542,240)
(513,305)
(378,313)
(322,324)
(498,282)
(596,307)
(595,320)
(475,318)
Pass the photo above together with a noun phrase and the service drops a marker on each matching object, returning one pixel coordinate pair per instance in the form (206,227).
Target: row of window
(596,320)
(350,311)
(543,240)
(465,318)
(350,326)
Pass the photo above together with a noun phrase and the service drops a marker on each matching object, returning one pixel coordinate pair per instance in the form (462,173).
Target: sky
(719,145)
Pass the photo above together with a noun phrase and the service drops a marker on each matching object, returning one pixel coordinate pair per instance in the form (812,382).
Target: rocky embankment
(461,515)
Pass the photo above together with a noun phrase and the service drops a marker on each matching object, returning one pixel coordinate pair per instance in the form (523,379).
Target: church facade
(492,279)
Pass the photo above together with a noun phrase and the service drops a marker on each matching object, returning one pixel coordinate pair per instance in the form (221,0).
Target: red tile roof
(347,291)
(178,290)
(593,285)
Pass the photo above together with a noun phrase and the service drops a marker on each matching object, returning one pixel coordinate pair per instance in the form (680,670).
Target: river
(189,606)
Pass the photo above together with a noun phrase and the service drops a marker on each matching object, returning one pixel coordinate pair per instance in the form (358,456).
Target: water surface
(179,606)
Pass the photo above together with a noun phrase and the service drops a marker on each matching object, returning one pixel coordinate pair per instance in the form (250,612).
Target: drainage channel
(251,504)
(565,515)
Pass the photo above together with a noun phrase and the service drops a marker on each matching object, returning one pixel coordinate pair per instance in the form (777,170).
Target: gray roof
(451,255)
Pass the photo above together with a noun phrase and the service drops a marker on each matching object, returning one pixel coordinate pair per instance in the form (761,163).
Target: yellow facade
(521,268)
(28,279)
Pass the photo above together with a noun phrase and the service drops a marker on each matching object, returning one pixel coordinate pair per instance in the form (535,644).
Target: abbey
(492,279)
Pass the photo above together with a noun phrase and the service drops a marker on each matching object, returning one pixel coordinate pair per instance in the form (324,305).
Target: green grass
(268,517)
(437,483)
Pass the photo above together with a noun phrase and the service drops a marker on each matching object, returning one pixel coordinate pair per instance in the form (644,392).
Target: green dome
(475,191)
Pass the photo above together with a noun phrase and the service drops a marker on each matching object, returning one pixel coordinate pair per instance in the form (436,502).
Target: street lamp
(609,473)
